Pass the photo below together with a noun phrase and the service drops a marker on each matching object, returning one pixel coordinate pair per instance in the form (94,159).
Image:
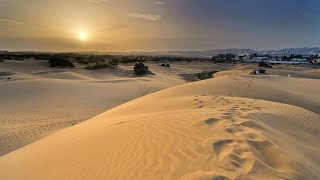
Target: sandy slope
(223,128)
(36,100)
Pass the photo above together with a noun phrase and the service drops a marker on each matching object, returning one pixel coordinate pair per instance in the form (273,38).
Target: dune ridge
(229,127)
(37,100)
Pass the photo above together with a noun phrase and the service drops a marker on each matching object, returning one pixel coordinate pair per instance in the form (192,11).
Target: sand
(233,126)
(38,100)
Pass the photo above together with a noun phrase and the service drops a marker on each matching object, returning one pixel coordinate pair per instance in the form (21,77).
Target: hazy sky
(146,25)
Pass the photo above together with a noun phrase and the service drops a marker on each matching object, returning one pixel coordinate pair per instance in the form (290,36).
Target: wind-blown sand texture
(38,100)
(234,126)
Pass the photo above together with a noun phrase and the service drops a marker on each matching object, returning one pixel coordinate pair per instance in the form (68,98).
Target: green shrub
(60,62)
(165,65)
(43,57)
(82,60)
(113,62)
(262,71)
(99,66)
(129,59)
(205,75)
(96,59)
(140,69)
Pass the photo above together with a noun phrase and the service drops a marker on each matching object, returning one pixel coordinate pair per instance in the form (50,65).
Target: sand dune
(229,127)
(62,74)
(37,100)
(295,91)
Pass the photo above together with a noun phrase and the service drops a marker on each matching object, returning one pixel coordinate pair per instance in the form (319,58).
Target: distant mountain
(213,52)
(314,50)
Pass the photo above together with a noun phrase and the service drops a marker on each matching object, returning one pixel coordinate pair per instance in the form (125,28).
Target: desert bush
(129,59)
(43,57)
(60,62)
(262,71)
(98,66)
(223,58)
(96,59)
(81,60)
(87,59)
(140,69)
(113,62)
(205,75)
(165,65)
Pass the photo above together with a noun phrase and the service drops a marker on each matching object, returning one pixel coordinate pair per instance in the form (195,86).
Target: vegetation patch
(82,61)
(258,71)
(141,70)
(60,62)
(98,66)
(113,62)
(165,65)
(224,58)
(205,75)
(86,59)
(110,64)
(262,71)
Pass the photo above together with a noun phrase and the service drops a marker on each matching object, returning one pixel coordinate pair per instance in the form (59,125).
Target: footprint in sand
(265,152)
(222,146)
(227,116)
(236,161)
(201,106)
(212,121)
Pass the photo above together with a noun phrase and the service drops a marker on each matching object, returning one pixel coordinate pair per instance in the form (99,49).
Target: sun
(83,36)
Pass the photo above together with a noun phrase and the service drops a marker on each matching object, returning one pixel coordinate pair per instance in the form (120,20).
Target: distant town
(283,58)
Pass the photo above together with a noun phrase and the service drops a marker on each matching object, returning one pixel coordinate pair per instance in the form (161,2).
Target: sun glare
(83,36)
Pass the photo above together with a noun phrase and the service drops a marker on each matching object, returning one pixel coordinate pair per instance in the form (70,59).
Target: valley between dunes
(233,126)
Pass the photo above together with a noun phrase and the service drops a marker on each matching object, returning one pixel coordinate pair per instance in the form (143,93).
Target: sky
(157,25)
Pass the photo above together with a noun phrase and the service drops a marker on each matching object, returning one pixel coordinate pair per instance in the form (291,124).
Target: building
(316,61)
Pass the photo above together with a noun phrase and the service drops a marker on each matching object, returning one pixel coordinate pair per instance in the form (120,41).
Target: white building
(316,61)
(299,60)
(276,61)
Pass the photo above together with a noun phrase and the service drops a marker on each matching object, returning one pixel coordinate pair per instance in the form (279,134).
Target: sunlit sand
(78,124)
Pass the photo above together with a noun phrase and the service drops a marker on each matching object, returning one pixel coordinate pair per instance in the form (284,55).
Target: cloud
(57,43)
(7,20)
(100,1)
(159,3)
(11,21)
(145,16)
